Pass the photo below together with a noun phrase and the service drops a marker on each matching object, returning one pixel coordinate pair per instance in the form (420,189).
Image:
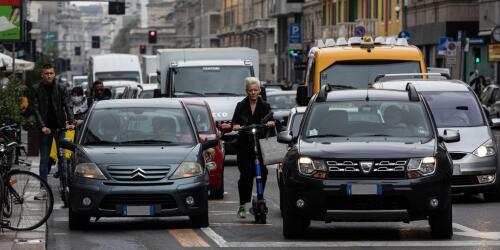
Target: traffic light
(96,42)
(295,53)
(477,55)
(152,36)
(142,49)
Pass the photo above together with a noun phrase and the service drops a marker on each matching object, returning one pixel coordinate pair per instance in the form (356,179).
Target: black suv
(367,155)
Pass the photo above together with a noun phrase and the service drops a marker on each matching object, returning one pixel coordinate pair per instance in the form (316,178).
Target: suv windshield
(285,101)
(372,120)
(454,109)
(359,74)
(123,75)
(138,126)
(210,81)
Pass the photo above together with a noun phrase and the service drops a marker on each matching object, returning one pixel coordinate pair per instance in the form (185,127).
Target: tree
(11,94)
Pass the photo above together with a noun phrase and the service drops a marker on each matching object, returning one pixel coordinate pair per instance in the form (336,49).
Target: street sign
(451,49)
(476,40)
(404,34)
(493,52)
(294,33)
(359,31)
(442,45)
(466,44)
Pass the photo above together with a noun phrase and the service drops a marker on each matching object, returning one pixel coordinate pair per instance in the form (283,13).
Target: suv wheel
(441,222)
(200,220)
(293,225)
(77,221)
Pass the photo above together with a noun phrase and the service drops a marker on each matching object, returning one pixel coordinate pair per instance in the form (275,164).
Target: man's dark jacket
(61,109)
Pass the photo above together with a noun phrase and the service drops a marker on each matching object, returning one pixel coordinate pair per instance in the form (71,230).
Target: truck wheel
(293,225)
(441,223)
(201,220)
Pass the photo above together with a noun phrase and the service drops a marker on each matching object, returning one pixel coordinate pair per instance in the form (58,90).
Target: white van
(114,67)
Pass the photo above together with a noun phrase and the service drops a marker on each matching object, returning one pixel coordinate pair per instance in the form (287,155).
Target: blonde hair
(250,81)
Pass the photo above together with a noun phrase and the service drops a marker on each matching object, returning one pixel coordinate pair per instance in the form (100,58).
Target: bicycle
(18,188)
(63,157)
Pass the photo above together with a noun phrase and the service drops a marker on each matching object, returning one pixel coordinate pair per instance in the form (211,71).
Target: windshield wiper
(190,93)
(326,135)
(340,86)
(145,142)
(222,93)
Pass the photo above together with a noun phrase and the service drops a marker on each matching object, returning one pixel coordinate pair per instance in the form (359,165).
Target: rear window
(454,109)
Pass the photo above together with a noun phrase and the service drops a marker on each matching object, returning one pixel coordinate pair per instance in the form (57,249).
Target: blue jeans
(45,147)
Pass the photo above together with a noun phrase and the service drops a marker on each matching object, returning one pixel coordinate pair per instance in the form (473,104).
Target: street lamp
(397,9)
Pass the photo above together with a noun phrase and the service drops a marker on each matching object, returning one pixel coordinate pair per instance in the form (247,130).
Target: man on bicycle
(52,114)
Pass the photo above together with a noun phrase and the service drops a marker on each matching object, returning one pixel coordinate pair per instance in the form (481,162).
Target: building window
(382,11)
(325,14)
(389,10)
(375,9)
(334,13)
(369,8)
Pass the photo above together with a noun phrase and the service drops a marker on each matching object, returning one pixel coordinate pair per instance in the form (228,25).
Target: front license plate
(364,189)
(129,210)
(456,169)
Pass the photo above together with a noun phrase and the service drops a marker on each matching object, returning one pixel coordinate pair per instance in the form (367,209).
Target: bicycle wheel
(28,212)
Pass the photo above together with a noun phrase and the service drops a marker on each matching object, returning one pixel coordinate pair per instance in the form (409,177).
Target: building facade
(249,24)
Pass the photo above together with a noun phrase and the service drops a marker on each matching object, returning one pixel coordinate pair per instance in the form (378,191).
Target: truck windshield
(120,75)
(210,81)
(359,74)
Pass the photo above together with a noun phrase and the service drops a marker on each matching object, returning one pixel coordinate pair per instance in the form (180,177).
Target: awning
(21,65)
(486,32)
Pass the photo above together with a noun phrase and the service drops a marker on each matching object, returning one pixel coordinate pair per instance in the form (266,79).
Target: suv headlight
(421,167)
(89,170)
(186,170)
(487,149)
(313,168)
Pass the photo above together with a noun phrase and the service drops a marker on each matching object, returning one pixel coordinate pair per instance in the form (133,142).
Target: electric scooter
(259,208)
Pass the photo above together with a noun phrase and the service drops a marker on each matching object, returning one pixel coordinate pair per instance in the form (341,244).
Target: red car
(214,157)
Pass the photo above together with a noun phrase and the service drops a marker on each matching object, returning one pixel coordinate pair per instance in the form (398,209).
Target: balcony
(229,29)
(346,29)
(258,25)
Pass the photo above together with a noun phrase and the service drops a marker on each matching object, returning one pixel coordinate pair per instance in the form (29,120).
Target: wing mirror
(225,128)
(450,135)
(285,137)
(210,141)
(495,123)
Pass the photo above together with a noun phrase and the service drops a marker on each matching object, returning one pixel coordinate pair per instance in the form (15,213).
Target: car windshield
(210,81)
(366,121)
(122,75)
(145,94)
(359,74)
(454,109)
(138,126)
(295,124)
(201,118)
(283,101)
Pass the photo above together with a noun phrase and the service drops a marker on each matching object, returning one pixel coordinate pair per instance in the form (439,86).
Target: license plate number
(364,189)
(138,210)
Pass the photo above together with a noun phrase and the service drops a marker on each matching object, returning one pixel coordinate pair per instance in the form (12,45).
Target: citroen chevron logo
(138,172)
(366,166)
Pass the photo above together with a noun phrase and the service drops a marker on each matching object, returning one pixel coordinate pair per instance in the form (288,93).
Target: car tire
(218,194)
(441,222)
(200,220)
(293,225)
(77,221)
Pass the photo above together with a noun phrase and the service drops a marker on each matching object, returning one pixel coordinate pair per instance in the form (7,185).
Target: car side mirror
(66,144)
(450,135)
(302,96)
(495,123)
(285,137)
(225,128)
(156,93)
(209,143)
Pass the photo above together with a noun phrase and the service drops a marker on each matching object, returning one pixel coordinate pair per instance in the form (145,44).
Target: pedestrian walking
(52,114)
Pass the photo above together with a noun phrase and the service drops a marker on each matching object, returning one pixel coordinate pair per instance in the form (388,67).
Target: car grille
(342,169)
(110,201)
(457,156)
(366,202)
(134,173)
(460,180)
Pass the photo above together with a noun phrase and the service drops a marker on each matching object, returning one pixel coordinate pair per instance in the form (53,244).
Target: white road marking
(464,228)
(214,237)
(30,241)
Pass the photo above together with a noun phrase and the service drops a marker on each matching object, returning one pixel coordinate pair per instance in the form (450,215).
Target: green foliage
(10,102)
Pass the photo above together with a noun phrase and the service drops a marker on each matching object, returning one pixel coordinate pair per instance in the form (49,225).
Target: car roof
(373,94)
(133,103)
(425,85)
(282,92)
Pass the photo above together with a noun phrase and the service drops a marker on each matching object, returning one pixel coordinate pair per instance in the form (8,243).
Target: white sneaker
(42,195)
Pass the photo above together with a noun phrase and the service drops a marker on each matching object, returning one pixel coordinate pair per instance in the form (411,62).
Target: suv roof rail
(412,92)
(323,93)
(380,76)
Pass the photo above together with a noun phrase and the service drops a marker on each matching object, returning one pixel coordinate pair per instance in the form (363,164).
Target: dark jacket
(243,116)
(40,105)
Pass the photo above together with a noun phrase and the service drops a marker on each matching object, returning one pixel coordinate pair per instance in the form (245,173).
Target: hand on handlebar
(270,124)
(236,127)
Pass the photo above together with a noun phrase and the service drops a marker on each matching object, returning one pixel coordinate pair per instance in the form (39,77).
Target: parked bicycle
(18,188)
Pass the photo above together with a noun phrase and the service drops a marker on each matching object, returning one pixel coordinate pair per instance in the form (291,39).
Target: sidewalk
(29,240)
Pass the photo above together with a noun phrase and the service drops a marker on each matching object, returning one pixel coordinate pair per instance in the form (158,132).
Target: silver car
(454,105)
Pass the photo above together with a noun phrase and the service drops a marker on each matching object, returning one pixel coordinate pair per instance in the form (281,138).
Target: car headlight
(186,170)
(314,168)
(89,170)
(421,167)
(487,149)
(2,148)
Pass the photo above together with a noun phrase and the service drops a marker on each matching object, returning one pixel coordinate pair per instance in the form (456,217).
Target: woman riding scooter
(250,110)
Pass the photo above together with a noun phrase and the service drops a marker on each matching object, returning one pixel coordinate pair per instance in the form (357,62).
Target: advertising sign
(493,52)
(10,20)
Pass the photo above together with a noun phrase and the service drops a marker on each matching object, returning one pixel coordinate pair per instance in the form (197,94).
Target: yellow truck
(355,63)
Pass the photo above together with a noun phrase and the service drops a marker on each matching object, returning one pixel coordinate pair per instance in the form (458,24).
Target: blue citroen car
(138,158)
